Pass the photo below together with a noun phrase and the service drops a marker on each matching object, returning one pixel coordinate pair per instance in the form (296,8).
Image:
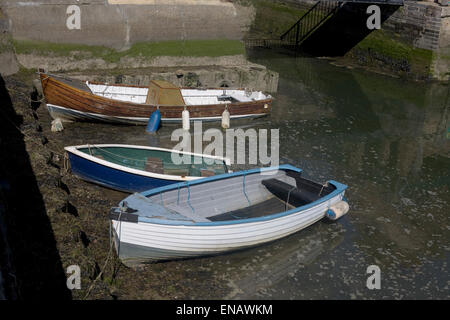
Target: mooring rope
(66,162)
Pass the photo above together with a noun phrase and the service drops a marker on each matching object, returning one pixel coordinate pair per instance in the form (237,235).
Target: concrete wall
(8,62)
(120,23)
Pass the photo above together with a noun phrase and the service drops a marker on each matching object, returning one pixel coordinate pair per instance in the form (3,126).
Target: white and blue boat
(131,168)
(221,213)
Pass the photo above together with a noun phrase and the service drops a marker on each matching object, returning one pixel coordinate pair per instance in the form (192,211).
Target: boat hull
(70,115)
(144,242)
(113,178)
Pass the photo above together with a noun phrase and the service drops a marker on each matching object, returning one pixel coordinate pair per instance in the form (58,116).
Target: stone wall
(8,62)
(423,24)
(252,76)
(120,23)
(419,23)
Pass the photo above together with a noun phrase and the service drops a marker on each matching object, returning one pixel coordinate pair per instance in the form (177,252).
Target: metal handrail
(295,24)
(311,20)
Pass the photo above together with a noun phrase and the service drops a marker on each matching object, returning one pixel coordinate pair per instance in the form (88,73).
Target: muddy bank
(64,220)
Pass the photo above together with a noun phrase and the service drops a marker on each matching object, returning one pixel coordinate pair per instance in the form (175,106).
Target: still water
(388,140)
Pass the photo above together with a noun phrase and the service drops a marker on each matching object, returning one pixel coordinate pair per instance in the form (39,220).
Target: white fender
(185,118)
(57,125)
(226,119)
(337,210)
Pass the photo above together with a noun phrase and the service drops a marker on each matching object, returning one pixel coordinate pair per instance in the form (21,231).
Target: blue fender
(154,121)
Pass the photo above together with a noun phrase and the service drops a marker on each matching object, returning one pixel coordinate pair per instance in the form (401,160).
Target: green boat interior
(159,161)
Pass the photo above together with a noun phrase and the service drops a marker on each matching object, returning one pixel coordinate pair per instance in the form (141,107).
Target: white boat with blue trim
(221,213)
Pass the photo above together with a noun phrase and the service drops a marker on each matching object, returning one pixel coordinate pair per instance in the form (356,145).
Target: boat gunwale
(340,188)
(74,150)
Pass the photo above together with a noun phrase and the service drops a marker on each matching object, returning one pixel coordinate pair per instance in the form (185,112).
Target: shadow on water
(37,272)
(344,30)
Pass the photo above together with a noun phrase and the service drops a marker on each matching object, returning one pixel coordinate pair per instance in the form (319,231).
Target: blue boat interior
(158,161)
(234,198)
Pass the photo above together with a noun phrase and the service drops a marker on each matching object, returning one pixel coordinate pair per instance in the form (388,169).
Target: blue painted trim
(340,189)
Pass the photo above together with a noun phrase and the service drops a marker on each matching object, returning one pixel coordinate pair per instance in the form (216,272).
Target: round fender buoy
(57,125)
(226,118)
(337,210)
(154,121)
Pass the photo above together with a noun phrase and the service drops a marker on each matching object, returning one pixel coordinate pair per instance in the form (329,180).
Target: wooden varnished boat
(70,100)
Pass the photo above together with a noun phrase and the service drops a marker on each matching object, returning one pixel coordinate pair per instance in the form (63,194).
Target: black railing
(310,21)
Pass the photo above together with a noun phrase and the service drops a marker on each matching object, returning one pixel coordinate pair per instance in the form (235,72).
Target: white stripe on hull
(69,115)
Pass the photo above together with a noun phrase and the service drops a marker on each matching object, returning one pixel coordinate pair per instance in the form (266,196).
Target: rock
(67,207)
(93,270)
(57,125)
(84,238)
(37,127)
(179,73)
(44,140)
